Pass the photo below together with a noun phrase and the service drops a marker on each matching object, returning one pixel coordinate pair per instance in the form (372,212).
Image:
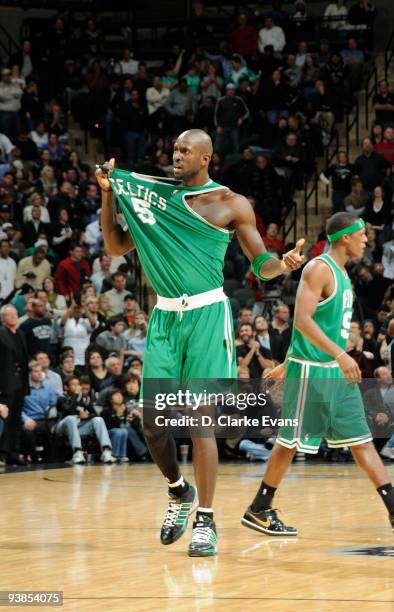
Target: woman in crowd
(97,371)
(77,330)
(135,336)
(378,213)
(36,200)
(116,419)
(212,84)
(47,183)
(56,301)
(104,308)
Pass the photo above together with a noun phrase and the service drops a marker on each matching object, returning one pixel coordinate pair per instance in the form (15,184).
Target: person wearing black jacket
(275,97)
(341,174)
(14,381)
(133,119)
(265,187)
(290,156)
(32,106)
(370,166)
(77,419)
(231,112)
(33,229)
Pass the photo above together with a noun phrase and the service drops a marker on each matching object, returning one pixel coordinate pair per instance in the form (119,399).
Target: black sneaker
(267,521)
(177,515)
(204,539)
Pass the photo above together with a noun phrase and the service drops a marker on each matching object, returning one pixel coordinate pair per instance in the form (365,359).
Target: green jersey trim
(333,294)
(189,208)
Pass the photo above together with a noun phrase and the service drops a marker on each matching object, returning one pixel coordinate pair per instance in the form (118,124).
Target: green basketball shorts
(321,404)
(190,338)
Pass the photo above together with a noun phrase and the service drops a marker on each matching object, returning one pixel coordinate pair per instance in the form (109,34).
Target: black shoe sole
(195,553)
(255,527)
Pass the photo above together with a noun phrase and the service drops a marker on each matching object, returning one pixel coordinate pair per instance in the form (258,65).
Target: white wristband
(340,355)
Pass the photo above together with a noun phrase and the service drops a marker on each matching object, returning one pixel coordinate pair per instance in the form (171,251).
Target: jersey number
(143,211)
(347,319)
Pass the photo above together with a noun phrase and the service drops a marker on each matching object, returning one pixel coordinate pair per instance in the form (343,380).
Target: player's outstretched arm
(244,223)
(315,277)
(116,241)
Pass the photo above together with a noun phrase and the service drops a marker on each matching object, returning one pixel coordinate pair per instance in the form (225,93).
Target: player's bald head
(197,139)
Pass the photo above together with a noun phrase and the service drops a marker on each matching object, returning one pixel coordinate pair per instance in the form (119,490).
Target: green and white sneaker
(204,539)
(177,515)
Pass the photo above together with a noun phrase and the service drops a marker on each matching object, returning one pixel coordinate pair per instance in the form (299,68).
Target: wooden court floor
(92,532)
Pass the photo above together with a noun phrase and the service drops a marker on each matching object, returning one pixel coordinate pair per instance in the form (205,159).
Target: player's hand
(293,259)
(102,177)
(350,369)
(277,373)
(3,411)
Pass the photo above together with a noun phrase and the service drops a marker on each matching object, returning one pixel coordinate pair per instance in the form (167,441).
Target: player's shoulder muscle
(316,274)
(240,206)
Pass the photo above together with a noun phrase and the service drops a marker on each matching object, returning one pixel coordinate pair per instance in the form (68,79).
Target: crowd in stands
(271,95)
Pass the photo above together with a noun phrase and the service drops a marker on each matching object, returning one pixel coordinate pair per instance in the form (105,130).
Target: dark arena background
(298,98)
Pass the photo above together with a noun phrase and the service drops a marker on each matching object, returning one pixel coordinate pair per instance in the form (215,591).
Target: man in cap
(36,263)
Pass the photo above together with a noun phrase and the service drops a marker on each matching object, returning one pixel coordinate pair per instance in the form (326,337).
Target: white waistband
(189,302)
(320,364)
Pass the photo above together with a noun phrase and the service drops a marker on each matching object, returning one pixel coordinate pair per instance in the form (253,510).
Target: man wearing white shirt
(39,136)
(98,277)
(7,270)
(6,147)
(10,105)
(115,263)
(118,292)
(92,232)
(334,12)
(156,95)
(52,378)
(271,35)
(127,65)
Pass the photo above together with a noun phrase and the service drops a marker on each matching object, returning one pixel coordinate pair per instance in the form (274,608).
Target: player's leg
(210,356)
(367,458)
(161,369)
(302,396)
(205,463)
(350,428)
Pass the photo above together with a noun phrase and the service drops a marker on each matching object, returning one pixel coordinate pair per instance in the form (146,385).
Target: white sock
(204,510)
(178,483)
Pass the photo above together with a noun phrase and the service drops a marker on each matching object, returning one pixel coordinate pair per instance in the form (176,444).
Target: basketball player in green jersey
(181,229)
(321,392)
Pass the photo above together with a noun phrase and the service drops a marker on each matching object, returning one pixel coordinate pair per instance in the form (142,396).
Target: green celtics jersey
(332,315)
(180,252)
